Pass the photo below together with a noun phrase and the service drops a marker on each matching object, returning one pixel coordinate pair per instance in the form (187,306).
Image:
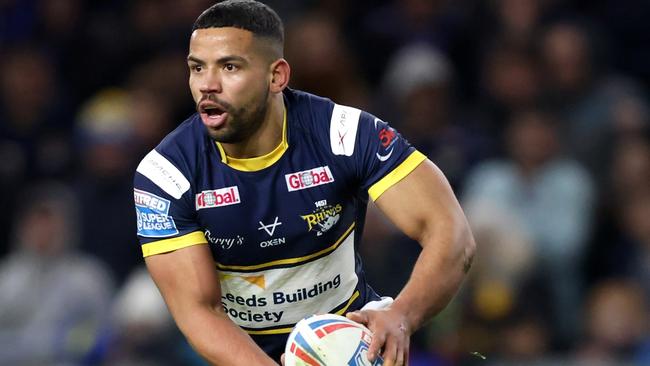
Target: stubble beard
(242,122)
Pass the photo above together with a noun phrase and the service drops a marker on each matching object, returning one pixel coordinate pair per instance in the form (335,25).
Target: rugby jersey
(283,228)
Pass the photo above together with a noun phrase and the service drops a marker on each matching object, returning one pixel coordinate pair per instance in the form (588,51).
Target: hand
(390,332)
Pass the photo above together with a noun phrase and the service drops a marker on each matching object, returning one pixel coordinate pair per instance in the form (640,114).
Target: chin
(224,137)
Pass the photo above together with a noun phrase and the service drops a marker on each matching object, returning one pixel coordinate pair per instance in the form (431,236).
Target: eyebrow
(221,60)
(194,59)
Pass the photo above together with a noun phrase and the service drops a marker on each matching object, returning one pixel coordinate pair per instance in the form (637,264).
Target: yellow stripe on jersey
(290,260)
(168,245)
(396,175)
(289,329)
(270,331)
(345,308)
(259,162)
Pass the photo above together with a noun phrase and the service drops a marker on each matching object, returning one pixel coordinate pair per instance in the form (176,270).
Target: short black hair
(249,15)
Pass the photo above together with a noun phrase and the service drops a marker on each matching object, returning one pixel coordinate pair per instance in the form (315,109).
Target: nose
(210,82)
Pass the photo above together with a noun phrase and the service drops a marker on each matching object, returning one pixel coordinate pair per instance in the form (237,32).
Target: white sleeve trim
(164,174)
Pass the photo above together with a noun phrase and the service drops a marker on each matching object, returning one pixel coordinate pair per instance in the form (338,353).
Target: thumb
(358,316)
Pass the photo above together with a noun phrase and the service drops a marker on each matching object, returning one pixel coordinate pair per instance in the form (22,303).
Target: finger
(399,356)
(282,359)
(378,340)
(390,352)
(358,316)
(407,350)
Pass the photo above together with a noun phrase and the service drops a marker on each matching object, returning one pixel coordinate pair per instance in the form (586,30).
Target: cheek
(194,89)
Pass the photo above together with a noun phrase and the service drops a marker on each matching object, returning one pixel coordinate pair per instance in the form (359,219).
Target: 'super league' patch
(153,215)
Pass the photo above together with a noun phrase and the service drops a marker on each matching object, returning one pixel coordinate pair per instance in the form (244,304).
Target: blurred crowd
(537,111)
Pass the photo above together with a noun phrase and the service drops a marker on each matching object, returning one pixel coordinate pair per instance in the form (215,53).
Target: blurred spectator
(390,26)
(32,109)
(418,98)
(162,81)
(142,332)
(54,299)
(504,260)
(618,245)
(636,234)
(523,340)
(321,61)
(34,125)
(152,120)
(552,198)
(510,81)
(59,28)
(517,21)
(106,141)
(593,103)
(617,324)
(630,167)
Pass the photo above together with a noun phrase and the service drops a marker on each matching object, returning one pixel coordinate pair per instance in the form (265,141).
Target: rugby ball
(329,340)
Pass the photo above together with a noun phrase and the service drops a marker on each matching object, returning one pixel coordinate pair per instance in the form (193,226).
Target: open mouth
(213,115)
(212,111)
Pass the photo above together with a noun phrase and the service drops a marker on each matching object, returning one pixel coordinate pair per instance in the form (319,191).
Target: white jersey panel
(343,129)
(282,296)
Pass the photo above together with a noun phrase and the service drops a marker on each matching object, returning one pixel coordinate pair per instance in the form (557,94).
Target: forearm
(220,341)
(438,273)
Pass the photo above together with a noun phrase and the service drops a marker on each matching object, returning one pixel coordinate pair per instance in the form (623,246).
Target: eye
(230,67)
(196,68)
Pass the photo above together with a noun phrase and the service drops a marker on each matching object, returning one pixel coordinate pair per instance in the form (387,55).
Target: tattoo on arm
(467,263)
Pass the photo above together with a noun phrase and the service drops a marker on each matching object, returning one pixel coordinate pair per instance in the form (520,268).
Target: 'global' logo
(218,197)
(309,178)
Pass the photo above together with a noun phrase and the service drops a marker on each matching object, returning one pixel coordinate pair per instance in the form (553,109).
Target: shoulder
(308,109)
(171,164)
(335,125)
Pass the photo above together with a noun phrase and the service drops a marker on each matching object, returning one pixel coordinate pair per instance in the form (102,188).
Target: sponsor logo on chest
(323,218)
(309,178)
(224,243)
(218,197)
(270,230)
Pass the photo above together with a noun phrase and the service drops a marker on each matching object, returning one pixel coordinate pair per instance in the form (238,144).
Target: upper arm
(422,203)
(187,278)
(165,211)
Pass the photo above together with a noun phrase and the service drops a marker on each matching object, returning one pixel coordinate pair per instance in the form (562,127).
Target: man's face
(229,80)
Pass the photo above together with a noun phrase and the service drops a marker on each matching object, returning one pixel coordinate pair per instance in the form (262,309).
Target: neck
(266,138)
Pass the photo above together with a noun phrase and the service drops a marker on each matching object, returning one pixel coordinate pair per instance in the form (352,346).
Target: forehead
(217,42)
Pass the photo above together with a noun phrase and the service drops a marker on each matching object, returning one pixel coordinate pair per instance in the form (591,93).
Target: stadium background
(537,111)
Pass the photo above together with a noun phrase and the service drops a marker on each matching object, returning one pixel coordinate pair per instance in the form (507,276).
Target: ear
(280,73)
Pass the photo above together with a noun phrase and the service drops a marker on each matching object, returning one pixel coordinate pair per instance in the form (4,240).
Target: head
(47,225)
(532,137)
(236,67)
(616,314)
(567,55)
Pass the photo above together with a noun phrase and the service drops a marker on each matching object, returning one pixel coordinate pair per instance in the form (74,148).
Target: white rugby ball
(329,340)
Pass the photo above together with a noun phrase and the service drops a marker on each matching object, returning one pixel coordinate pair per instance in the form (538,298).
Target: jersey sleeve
(166,217)
(381,156)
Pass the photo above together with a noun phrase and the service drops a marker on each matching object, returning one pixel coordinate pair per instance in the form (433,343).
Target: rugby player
(251,211)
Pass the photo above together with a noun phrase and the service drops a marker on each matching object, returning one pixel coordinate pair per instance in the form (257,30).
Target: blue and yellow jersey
(283,228)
